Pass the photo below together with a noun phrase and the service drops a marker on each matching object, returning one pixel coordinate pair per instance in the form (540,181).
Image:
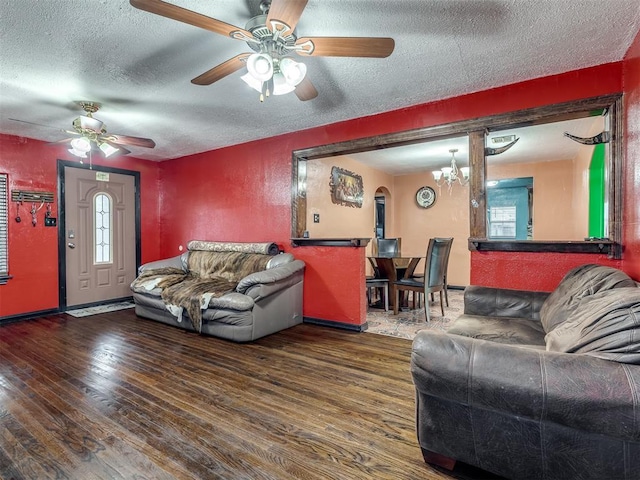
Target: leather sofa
(536,385)
(238,291)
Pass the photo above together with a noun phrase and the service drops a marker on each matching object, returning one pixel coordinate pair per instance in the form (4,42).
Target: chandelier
(450,175)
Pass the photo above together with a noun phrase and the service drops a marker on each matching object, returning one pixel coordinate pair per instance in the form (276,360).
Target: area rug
(407,323)
(112,307)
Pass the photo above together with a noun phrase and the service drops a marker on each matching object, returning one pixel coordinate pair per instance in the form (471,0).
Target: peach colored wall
(558,194)
(554,210)
(448,217)
(342,221)
(581,192)
(339,220)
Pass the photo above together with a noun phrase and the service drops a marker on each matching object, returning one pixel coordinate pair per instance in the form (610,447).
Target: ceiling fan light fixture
(107,149)
(280,84)
(90,123)
(294,72)
(77,153)
(81,144)
(252,82)
(260,66)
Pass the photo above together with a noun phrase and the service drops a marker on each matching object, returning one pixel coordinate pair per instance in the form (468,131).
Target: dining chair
(446,268)
(433,281)
(382,285)
(388,247)
(377,282)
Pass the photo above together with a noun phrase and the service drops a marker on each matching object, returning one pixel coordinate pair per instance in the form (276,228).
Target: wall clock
(426,197)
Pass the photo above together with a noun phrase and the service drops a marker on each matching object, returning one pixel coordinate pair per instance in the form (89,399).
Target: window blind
(4,224)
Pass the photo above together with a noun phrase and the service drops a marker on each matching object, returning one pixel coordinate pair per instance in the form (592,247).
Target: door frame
(62,229)
(377,202)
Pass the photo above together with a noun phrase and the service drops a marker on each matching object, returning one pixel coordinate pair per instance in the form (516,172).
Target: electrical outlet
(316,218)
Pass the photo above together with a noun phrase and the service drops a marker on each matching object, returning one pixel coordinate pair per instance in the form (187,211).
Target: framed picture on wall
(346,188)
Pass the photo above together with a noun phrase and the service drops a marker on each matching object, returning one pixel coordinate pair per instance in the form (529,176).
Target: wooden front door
(100,235)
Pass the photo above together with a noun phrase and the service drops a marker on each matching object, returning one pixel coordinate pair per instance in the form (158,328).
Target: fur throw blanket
(209,275)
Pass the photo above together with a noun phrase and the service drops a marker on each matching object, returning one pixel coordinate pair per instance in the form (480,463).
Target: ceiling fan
(90,134)
(272,36)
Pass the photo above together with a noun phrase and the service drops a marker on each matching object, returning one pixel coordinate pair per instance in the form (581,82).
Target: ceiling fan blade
(220,71)
(187,16)
(127,140)
(66,140)
(305,90)
(377,47)
(286,11)
(123,151)
(38,124)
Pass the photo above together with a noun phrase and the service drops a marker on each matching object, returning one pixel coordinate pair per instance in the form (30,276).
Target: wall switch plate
(316,218)
(50,222)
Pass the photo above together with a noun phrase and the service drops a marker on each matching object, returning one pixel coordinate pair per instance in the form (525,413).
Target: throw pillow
(605,324)
(578,283)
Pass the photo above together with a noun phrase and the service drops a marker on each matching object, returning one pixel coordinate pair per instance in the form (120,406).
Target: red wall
(33,251)
(247,191)
(243,193)
(631,221)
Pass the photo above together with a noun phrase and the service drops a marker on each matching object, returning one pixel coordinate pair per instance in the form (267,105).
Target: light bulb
(280,84)
(260,66)
(252,82)
(293,71)
(77,153)
(107,149)
(81,144)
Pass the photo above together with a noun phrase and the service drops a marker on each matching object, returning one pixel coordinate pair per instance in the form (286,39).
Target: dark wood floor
(114,396)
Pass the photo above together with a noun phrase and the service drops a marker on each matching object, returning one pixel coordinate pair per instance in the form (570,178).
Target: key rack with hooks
(37,201)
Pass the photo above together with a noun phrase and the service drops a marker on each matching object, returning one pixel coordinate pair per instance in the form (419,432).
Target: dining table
(396,267)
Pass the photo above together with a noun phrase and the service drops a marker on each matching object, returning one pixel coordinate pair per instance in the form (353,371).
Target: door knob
(71,245)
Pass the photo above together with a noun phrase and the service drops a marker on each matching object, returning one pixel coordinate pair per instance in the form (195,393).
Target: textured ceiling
(139,65)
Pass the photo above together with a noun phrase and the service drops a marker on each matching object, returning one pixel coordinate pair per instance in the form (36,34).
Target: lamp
(80,147)
(449,175)
(77,153)
(293,71)
(260,66)
(81,144)
(268,74)
(107,149)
